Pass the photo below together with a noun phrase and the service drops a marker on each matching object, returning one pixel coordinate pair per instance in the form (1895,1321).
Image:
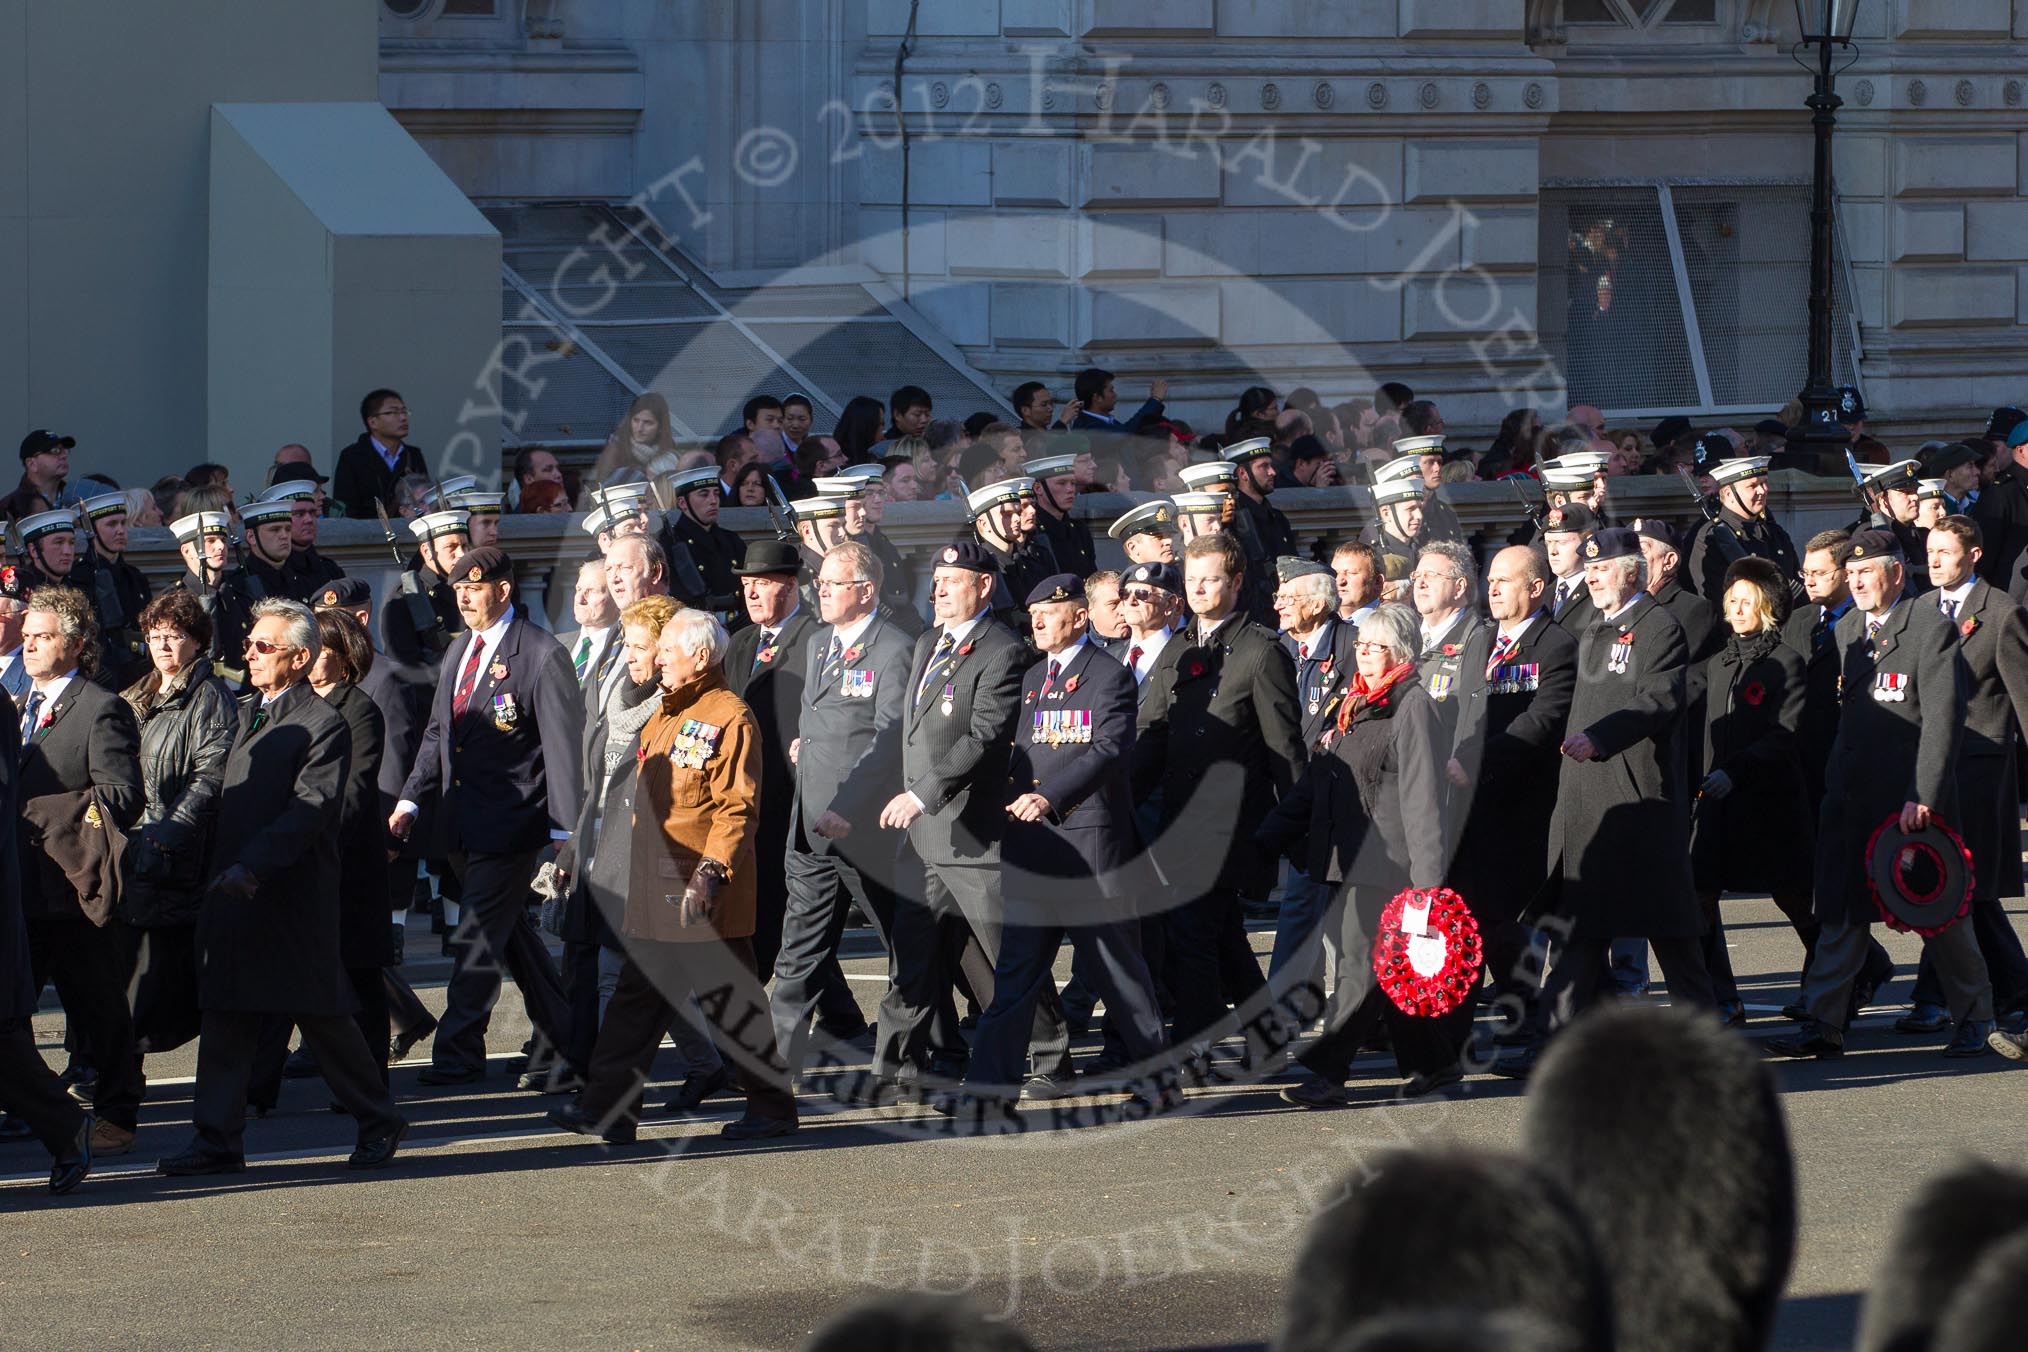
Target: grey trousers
(1841,956)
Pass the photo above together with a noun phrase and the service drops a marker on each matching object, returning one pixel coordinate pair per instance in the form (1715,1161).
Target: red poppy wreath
(1430,973)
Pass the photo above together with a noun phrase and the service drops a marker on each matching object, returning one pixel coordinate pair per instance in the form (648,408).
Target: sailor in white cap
(862,523)
(420,619)
(482,508)
(117,588)
(996,523)
(204,539)
(621,509)
(1423,456)
(1932,502)
(307,572)
(270,539)
(1396,532)
(1147,533)
(1743,527)
(1201,512)
(1255,477)
(49,539)
(712,550)
(1056,490)
(440,492)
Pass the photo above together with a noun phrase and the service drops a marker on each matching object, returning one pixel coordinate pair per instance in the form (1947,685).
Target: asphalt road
(1171,1234)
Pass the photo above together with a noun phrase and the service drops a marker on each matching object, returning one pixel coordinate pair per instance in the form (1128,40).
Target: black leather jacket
(184,741)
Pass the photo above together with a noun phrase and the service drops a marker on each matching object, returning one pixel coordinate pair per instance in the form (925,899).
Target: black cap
(1057,587)
(969,555)
(1952,456)
(1850,408)
(1572,518)
(284,470)
(1660,531)
(1771,427)
(1668,430)
(1614,542)
(1874,544)
(41,441)
(487,563)
(1161,576)
(1309,446)
(346,592)
(2003,421)
(771,558)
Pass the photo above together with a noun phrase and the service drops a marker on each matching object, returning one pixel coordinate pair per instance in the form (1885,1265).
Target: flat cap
(1289,567)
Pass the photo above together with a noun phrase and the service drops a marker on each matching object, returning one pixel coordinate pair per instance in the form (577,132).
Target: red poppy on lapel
(1450,650)
(1071,684)
(1194,669)
(1971,623)
(965,651)
(851,654)
(1753,692)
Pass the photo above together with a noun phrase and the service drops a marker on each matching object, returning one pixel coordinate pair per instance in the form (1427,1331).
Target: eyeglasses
(1370,647)
(265,648)
(826,584)
(397,411)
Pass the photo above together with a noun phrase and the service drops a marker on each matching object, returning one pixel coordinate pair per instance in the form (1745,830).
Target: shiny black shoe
(83,1086)
(195,1161)
(377,1153)
(751,1128)
(571,1117)
(301,1065)
(1046,1087)
(1796,1012)
(1809,1044)
(1871,979)
(72,1165)
(450,1075)
(699,1086)
(1924,1019)
(401,1044)
(1732,1014)
(557,1081)
(1970,1038)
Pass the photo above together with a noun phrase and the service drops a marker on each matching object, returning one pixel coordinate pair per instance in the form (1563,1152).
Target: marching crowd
(1557,751)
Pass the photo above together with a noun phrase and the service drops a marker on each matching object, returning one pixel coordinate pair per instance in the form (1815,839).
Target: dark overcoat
(1901,718)
(850,729)
(1219,737)
(1619,840)
(957,730)
(365,939)
(1993,640)
(86,742)
(1759,836)
(279,809)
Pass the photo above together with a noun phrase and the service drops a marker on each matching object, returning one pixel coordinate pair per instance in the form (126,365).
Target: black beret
(347,592)
(487,563)
(1161,576)
(1572,518)
(1660,531)
(1057,587)
(967,554)
(1614,542)
(1874,544)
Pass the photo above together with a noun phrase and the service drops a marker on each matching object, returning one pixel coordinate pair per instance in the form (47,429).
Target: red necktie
(467,678)
(1050,679)
(1133,658)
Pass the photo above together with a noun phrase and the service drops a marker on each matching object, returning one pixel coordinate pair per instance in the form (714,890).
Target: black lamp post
(1825,25)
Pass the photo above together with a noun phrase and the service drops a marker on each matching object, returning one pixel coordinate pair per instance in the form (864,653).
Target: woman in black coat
(1369,810)
(1751,829)
(187,720)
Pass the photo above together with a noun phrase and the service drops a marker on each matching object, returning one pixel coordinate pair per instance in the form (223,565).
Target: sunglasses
(1138,596)
(267,649)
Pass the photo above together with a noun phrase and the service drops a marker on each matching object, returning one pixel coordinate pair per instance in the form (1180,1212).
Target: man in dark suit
(1513,702)
(1454,638)
(1993,642)
(502,748)
(847,755)
(30,1092)
(1564,530)
(1097,398)
(78,756)
(1619,839)
(1322,644)
(1070,854)
(1220,738)
(1902,687)
(268,935)
(2002,514)
(369,468)
(963,700)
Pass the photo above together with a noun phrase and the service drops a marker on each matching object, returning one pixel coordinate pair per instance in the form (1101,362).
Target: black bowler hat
(969,555)
(1057,587)
(487,563)
(347,593)
(1667,430)
(2004,421)
(771,558)
(1614,542)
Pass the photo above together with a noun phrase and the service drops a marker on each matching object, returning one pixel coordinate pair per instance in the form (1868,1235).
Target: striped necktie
(467,679)
(583,656)
(1501,651)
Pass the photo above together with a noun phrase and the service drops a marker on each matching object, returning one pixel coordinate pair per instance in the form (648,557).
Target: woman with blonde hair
(643,444)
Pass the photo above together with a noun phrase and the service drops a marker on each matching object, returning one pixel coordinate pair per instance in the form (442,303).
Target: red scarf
(1360,696)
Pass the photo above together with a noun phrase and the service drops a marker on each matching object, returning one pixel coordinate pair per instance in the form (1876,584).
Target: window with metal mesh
(1683,296)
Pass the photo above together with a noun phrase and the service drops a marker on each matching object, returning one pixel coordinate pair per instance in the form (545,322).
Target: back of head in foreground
(1957,1218)
(1446,1230)
(1667,1132)
(1437,1331)
(912,1321)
